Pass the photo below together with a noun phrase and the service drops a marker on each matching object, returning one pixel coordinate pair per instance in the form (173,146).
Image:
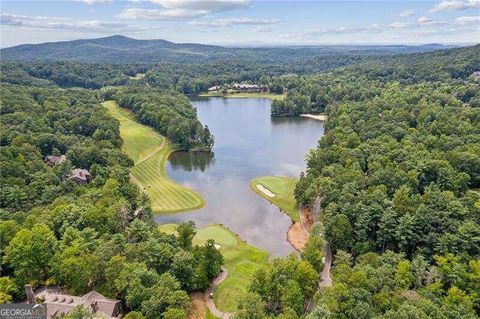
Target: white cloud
(455,5)
(467,20)
(96,1)
(234,21)
(58,23)
(343,30)
(262,29)
(404,14)
(400,25)
(421,22)
(425,21)
(154,14)
(183,9)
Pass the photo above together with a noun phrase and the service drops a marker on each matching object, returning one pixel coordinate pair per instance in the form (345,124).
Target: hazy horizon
(244,22)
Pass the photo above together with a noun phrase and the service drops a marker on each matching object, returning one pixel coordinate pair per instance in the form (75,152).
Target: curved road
(210,304)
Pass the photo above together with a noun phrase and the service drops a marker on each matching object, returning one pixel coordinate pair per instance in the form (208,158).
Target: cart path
(210,304)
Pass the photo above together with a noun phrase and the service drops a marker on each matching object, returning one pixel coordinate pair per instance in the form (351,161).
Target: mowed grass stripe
(163,190)
(164,195)
(150,150)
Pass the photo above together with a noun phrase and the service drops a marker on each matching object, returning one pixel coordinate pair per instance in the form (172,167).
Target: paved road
(210,304)
(325,275)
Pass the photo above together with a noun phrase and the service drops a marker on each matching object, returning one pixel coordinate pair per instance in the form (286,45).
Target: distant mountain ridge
(122,49)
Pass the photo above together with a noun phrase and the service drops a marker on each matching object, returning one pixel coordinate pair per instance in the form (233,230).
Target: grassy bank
(264,95)
(149,150)
(283,188)
(241,261)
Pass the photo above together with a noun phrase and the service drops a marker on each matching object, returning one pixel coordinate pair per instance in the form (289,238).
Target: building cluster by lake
(239,87)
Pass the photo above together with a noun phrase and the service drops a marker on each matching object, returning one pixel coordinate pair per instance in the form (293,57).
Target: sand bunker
(318,117)
(265,191)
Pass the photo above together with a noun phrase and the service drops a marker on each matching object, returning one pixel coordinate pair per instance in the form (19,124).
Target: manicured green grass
(150,151)
(138,140)
(209,315)
(283,188)
(265,95)
(241,261)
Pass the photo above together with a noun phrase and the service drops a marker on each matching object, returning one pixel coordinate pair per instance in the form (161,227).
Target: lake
(248,143)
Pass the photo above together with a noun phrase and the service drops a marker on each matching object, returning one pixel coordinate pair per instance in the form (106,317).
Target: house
(79,175)
(59,304)
(53,160)
(214,88)
(248,87)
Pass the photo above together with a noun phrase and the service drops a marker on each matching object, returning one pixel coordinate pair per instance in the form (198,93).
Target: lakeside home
(60,304)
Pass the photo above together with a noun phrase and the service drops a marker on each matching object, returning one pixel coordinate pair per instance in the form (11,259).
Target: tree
(75,268)
(250,306)
(165,294)
(319,312)
(404,275)
(134,315)
(7,289)
(29,253)
(292,297)
(183,269)
(79,312)
(186,232)
(339,232)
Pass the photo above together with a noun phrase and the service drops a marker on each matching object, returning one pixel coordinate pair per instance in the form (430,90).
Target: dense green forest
(123,50)
(169,112)
(396,174)
(100,235)
(365,80)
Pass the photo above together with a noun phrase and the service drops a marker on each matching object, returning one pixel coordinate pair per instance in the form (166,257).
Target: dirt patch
(297,236)
(199,306)
(306,218)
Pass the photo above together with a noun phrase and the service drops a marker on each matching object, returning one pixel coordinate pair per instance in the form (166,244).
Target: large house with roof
(60,304)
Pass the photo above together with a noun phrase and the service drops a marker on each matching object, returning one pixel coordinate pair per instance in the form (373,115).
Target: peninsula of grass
(263,95)
(149,150)
(240,259)
(282,187)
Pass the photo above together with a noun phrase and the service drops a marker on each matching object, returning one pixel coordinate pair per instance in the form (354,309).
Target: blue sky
(244,21)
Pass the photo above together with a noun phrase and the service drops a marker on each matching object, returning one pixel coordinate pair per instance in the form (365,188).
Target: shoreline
(297,234)
(156,158)
(242,95)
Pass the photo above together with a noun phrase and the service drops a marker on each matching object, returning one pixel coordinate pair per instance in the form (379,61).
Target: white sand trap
(217,246)
(265,191)
(318,117)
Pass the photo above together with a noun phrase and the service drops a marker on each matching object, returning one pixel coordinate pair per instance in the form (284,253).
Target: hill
(121,49)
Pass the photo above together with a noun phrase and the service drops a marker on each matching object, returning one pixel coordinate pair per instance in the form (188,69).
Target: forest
(397,174)
(56,231)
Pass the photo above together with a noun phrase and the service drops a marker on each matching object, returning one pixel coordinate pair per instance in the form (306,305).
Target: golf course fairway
(149,150)
(282,188)
(240,259)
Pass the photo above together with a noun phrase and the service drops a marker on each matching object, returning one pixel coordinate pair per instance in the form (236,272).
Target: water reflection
(248,143)
(189,161)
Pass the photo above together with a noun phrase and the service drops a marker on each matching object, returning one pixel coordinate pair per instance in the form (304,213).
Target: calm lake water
(248,143)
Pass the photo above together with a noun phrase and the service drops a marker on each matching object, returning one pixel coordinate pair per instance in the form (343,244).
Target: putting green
(283,188)
(241,261)
(149,150)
